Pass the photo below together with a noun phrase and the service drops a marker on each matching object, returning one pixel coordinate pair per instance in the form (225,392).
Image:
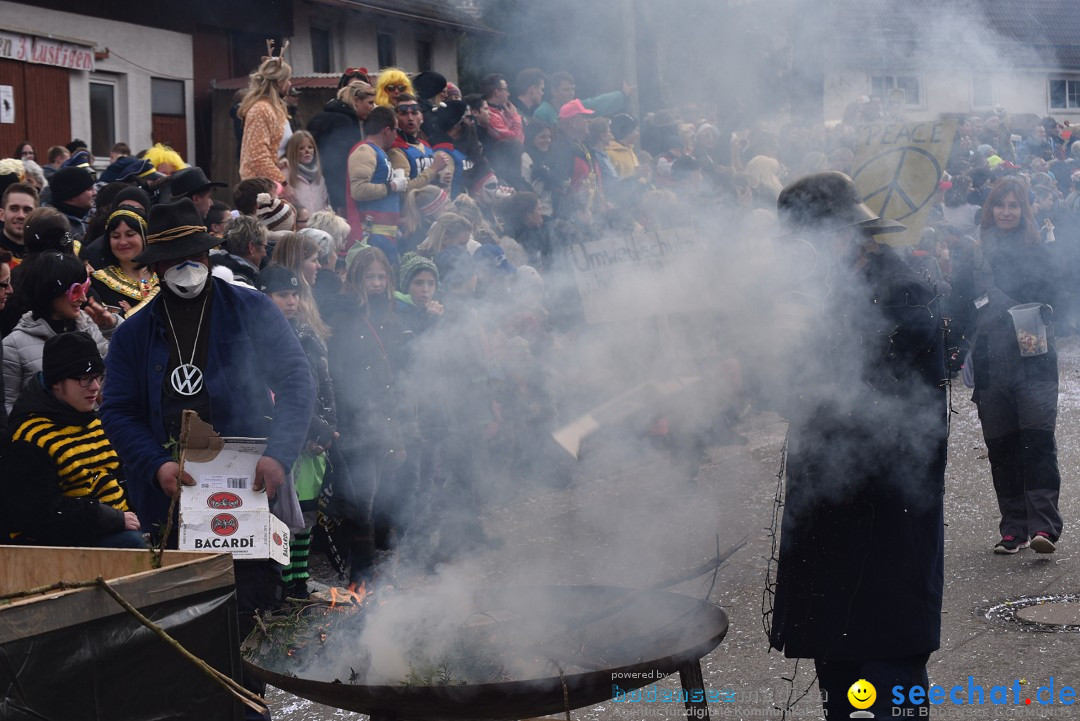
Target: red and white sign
(43,51)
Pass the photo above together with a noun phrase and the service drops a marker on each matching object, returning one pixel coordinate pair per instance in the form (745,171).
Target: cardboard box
(221,512)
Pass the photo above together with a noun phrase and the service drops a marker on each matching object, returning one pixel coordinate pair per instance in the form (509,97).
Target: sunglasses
(408,109)
(5,285)
(396,88)
(87,381)
(77,292)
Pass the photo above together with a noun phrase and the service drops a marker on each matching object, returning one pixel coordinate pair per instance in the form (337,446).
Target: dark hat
(66,183)
(80,159)
(428,84)
(75,144)
(126,167)
(274,278)
(191,180)
(622,125)
(175,231)
(70,355)
(411,264)
(455,265)
(450,114)
(132,192)
(826,202)
(494,257)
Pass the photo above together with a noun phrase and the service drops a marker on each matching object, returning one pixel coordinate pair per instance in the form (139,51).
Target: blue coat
(252,350)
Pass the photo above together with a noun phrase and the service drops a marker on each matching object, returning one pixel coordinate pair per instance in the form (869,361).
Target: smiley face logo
(862,694)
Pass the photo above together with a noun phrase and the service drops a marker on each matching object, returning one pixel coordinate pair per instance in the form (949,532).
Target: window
(982,92)
(102,117)
(425,52)
(321,50)
(886,87)
(1065,93)
(166,97)
(385,43)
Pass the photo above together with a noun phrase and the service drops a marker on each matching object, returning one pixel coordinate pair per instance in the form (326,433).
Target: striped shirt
(86,463)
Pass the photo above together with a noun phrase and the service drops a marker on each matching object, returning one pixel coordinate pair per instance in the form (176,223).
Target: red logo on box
(224,524)
(277,538)
(224,500)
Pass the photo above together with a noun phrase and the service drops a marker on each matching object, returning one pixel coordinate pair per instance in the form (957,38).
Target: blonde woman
(300,254)
(305,172)
(450,229)
(265,118)
(392,82)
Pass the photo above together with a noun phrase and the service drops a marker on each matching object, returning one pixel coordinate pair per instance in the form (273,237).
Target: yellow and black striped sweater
(61,477)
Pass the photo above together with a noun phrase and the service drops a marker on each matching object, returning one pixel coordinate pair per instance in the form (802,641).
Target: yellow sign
(897,170)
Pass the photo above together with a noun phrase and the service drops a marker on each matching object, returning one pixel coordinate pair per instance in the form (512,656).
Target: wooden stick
(185,427)
(59,586)
(249,699)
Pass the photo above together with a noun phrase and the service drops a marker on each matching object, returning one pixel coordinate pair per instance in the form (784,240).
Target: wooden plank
(183,575)
(32,566)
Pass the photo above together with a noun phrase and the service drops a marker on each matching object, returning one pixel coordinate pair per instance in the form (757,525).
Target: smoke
(740,315)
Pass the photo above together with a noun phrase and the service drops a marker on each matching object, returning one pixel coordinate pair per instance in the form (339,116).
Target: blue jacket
(252,350)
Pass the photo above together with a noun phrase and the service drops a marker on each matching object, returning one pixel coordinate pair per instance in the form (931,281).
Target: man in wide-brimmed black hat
(191,182)
(227,353)
(860,572)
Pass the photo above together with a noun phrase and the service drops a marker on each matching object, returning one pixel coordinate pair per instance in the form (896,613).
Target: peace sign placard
(897,170)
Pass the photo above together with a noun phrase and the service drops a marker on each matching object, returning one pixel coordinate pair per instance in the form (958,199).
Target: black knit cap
(66,183)
(70,355)
(428,84)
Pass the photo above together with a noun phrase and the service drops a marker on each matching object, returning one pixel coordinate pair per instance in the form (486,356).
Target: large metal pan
(647,635)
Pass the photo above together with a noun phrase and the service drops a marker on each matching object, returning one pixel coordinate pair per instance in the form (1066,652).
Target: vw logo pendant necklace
(187,378)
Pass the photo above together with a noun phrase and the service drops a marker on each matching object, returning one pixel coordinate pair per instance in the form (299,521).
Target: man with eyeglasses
(63,481)
(411,152)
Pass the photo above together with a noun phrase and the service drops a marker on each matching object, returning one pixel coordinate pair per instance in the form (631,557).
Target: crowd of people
(383,299)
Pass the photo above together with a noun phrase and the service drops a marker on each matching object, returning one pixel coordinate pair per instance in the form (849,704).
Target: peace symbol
(186,379)
(899,182)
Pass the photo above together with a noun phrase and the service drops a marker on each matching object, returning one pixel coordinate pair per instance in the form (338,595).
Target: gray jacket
(22,349)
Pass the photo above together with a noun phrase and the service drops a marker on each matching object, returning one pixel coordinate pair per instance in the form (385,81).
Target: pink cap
(574,107)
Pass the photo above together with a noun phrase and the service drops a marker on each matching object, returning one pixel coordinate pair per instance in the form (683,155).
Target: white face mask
(187,279)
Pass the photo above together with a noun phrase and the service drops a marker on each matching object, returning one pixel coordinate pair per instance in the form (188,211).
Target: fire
(352,594)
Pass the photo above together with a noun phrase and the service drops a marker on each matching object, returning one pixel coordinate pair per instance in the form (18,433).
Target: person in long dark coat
(860,574)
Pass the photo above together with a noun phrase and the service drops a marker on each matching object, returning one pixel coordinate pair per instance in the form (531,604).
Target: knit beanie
(274,213)
(411,264)
(622,125)
(132,192)
(431,199)
(70,355)
(428,84)
(66,183)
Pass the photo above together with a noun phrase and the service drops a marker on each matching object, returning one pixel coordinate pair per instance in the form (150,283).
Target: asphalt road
(617,525)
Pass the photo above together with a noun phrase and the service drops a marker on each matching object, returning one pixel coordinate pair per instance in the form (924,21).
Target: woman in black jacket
(337,129)
(1016,390)
(366,353)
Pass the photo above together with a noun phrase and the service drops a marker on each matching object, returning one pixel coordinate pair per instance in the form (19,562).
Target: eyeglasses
(396,88)
(78,291)
(87,381)
(356,72)
(408,109)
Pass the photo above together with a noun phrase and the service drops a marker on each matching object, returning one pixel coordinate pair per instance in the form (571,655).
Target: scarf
(308,172)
